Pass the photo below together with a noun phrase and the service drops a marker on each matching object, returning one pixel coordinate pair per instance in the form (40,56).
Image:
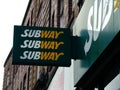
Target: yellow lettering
(45,44)
(54,56)
(57,55)
(45,34)
(51,45)
(51,35)
(45,55)
(116,4)
(57,44)
(51,56)
(57,34)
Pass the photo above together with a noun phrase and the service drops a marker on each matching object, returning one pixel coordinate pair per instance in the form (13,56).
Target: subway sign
(97,24)
(41,46)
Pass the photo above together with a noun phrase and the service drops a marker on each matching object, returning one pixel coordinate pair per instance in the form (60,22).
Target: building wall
(38,15)
(20,78)
(8,74)
(52,13)
(44,13)
(68,12)
(49,13)
(15,76)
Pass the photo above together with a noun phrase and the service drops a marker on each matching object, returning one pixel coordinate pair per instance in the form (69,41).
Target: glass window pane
(114,84)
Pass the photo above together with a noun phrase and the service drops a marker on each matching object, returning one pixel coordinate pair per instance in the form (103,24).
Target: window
(32,17)
(21,86)
(53,16)
(58,14)
(62,13)
(28,23)
(40,8)
(8,77)
(80,3)
(24,82)
(69,9)
(114,84)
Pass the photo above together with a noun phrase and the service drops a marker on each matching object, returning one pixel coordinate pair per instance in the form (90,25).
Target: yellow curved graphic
(116,4)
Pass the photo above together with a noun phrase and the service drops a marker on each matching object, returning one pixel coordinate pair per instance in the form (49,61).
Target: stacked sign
(41,46)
